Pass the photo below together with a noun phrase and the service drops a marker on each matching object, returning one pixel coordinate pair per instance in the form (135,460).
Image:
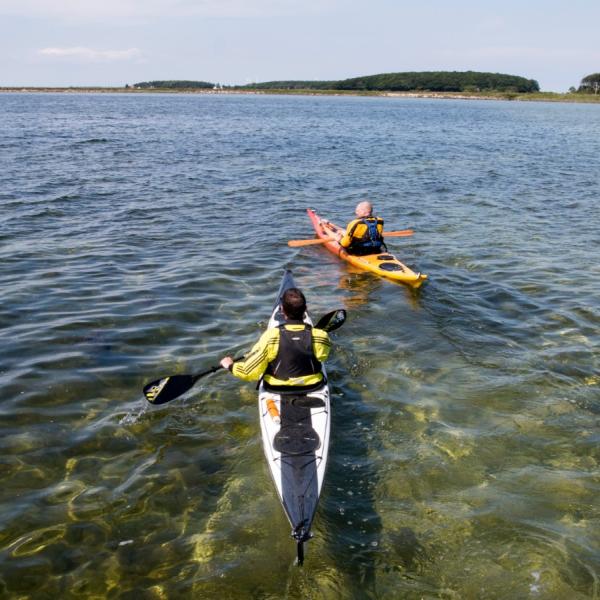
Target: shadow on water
(356,536)
(353,524)
(361,544)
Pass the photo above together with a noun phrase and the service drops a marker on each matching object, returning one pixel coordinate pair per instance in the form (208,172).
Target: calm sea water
(143,235)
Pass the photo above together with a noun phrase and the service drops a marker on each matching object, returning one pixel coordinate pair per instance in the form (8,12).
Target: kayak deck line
(384,264)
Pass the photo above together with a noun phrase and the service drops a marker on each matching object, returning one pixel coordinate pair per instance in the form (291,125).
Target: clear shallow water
(146,235)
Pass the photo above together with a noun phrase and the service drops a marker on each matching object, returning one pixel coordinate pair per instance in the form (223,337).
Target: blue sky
(114,42)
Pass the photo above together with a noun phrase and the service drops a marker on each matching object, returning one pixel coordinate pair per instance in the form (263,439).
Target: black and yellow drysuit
(288,356)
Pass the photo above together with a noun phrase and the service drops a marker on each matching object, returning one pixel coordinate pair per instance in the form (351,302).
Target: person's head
(293,303)
(363,209)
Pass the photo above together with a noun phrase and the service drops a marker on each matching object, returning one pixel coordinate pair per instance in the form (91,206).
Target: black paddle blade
(332,321)
(168,388)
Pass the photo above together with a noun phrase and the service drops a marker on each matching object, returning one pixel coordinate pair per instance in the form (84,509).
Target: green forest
(292,85)
(590,84)
(174,84)
(472,82)
(429,81)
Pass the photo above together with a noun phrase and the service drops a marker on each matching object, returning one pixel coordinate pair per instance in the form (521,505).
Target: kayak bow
(383,264)
(295,432)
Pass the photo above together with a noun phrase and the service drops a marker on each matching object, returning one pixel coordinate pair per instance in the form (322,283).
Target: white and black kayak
(295,431)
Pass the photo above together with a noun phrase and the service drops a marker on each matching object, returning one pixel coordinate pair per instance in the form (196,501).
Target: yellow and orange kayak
(385,264)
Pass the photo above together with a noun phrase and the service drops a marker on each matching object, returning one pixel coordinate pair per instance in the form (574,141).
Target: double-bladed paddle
(166,389)
(297,243)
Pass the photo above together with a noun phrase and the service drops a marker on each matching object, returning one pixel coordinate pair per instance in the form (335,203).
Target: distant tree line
(590,84)
(442,81)
(293,85)
(430,81)
(174,84)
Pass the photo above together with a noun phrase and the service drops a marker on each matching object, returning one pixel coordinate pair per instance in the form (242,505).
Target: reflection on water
(464,460)
(360,286)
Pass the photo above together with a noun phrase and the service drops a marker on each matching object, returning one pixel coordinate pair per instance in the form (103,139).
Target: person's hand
(339,236)
(226,362)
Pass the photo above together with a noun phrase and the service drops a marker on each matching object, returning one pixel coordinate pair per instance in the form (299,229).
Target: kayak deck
(295,432)
(296,452)
(384,264)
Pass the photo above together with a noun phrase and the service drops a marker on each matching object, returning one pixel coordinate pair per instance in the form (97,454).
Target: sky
(118,42)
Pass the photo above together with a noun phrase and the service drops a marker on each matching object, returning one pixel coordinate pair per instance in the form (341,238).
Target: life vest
(295,356)
(371,239)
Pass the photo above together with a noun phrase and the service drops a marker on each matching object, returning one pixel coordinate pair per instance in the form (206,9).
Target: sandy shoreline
(537,97)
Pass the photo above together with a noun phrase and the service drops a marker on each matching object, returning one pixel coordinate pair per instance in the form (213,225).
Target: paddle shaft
(166,389)
(298,243)
(212,370)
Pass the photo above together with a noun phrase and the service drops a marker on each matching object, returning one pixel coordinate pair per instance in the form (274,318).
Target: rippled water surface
(146,235)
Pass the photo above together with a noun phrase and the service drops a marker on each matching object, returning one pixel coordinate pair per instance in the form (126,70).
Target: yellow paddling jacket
(363,235)
(300,367)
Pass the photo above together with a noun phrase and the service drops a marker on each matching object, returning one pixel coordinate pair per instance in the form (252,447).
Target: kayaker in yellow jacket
(287,357)
(364,235)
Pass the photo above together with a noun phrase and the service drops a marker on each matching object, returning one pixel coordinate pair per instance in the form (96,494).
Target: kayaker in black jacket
(288,356)
(364,235)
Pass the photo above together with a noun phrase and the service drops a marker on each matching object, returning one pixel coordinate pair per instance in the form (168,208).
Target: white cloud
(100,9)
(90,55)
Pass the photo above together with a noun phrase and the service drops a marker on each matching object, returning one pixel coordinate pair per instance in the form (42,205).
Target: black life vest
(371,241)
(295,356)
